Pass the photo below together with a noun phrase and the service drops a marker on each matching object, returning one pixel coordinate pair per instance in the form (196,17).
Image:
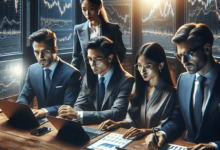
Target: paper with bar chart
(10,78)
(158,23)
(58,16)
(207,12)
(10,26)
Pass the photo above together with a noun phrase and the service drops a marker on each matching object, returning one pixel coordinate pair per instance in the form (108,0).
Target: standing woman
(153,97)
(97,24)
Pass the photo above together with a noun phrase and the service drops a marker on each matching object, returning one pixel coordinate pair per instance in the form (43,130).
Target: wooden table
(20,139)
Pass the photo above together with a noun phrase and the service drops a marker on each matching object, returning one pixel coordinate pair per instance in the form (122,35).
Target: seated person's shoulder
(68,67)
(127,75)
(34,66)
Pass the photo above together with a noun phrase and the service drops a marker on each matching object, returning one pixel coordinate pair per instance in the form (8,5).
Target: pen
(155,137)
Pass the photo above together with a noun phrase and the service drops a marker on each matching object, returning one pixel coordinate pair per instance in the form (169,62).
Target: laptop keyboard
(42,120)
(92,135)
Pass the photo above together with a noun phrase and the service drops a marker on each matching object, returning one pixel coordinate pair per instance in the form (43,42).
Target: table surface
(16,138)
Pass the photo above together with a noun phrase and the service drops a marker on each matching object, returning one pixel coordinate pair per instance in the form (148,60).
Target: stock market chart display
(58,16)
(10,78)
(119,11)
(158,23)
(207,12)
(10,26)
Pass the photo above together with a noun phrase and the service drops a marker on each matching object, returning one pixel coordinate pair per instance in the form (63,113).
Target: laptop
(73,129)
(20,114)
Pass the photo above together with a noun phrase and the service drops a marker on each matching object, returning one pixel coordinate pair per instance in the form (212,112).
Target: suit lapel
(41,82)
(211,106)
(56,75)
(96,97)
(112,84)
(156,92)
(187,97)
(85,33)
(104,29)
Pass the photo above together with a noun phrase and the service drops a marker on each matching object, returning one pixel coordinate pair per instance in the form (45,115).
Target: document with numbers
(110,142)
(173,147)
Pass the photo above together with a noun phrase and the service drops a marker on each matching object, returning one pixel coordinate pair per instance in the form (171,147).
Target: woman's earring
(160,71)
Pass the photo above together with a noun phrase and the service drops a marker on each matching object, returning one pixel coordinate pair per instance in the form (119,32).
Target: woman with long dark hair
(97,24)
(152,100)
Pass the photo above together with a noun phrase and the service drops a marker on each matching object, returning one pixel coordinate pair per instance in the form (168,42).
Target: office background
(141,21)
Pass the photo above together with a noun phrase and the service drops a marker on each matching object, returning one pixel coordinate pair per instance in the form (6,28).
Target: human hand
(150,141)
(67,112)
(203,146)
(133,132)
(108,124)
(38,113)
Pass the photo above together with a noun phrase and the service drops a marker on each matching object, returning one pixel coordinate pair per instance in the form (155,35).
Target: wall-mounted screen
(10,27)
(10,78)
(158,23)
(207,12)
(119,11)
(58,16)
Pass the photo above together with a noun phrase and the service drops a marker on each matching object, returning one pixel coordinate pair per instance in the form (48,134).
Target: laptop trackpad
(93,130)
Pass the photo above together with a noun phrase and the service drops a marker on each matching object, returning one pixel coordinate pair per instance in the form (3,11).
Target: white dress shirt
(94,31)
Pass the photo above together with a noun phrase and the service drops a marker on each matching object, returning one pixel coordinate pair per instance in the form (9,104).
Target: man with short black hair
(105,89)
(197,103)
(53,81)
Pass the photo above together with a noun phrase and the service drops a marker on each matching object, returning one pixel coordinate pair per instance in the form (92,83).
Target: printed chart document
(173,147)
(110,142)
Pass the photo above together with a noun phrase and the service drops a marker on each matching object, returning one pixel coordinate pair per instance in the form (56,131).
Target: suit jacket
(115,102)
(82,37)
(64,88)
(182,115)
(157,109)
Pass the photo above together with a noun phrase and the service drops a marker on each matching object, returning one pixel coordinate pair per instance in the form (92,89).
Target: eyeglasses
(139,67)
(188,55)
(96,61)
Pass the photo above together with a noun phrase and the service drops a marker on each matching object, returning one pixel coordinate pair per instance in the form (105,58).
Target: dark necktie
(101,92)
(199,102)
(47,80)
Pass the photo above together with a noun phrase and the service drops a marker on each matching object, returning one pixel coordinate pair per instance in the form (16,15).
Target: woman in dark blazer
(153,97)
(97,25)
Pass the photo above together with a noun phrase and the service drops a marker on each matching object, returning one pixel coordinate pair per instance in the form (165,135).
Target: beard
(45,63)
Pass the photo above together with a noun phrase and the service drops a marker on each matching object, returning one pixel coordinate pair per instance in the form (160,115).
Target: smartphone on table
(41,131)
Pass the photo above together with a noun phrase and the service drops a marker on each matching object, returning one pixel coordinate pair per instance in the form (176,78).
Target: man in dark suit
(197,104)
(52,80)
(105,88)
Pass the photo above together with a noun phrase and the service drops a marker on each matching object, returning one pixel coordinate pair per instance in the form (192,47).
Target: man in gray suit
(105,88)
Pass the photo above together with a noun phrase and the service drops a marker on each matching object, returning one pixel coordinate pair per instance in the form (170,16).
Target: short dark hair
(103,43)
(45,35)
(196,33)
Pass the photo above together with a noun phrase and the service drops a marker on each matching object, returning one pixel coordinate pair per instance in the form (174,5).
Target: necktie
(101,92)
(47,80)
(198,102)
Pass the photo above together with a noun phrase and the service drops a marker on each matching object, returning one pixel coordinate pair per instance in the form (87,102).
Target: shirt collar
(99,26)
(108,74)
(212,74)
(53,67)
